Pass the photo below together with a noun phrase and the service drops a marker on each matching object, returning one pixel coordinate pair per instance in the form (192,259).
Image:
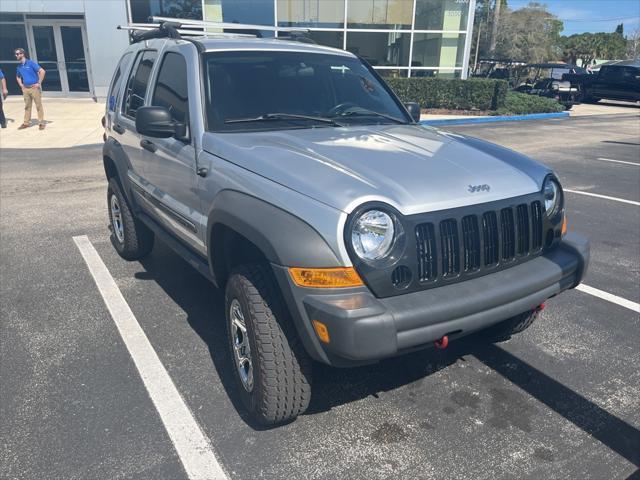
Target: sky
(581,16)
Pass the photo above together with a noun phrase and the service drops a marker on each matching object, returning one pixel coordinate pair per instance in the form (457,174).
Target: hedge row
(454,94)
(521,103)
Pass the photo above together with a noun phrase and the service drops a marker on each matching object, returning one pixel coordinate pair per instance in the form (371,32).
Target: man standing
(30,76)
(5,92)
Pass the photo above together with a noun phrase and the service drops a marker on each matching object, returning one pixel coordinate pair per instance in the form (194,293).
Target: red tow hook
(540,307)
(442,343)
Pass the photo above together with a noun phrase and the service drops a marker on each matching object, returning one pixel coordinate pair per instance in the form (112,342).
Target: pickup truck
(620,81)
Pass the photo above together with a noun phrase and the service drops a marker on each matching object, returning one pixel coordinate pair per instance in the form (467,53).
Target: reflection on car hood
(413,168)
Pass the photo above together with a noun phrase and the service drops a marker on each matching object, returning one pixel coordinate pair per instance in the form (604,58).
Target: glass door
(60,48)
(47,56)
(75,63)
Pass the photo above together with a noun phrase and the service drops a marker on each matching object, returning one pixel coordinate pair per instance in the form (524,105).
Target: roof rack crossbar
(184,30)
(186,22)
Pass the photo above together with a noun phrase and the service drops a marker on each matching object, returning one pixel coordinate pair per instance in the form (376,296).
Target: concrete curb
(504,118)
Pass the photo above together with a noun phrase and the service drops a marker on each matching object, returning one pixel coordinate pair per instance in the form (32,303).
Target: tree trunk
(494,28)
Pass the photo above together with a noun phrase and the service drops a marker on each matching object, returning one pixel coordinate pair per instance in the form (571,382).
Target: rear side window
(610,73)
(117,80)
(171,89)
(137,84)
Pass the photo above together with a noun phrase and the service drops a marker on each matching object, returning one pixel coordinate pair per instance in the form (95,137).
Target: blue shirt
(1,74)
(28,71)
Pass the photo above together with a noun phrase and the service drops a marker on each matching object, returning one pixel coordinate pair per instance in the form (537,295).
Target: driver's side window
(171,89)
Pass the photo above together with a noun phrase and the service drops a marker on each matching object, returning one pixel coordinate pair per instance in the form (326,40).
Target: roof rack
(177,28)
(185,22)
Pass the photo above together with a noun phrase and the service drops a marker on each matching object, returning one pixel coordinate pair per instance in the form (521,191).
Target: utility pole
(494,28)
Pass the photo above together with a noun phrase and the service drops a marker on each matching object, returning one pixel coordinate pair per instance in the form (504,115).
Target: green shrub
(521,103)
(454,94)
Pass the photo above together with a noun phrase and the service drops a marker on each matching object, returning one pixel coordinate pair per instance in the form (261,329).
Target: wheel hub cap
(241,347)
(116,219)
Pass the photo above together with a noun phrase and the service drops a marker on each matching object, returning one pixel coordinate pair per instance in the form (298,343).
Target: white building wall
(104,42)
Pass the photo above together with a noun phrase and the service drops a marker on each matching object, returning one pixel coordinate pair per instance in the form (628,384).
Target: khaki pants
(31,95)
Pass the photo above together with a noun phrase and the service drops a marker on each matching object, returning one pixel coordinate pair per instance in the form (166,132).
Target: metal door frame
(57,35)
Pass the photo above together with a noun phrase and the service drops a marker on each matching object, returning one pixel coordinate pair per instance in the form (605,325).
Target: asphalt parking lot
(561,400)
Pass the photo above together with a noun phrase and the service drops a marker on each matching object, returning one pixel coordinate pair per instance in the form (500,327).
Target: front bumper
(364,329)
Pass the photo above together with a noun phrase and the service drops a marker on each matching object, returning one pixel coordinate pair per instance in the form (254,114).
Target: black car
(618,81)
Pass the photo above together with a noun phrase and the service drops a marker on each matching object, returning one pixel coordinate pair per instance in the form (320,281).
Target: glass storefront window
(380,48)
(438,50)
(12,36)
(311,13)
(383,14)
(392,73)
(330,39)
(441,14)
(442,73)
(141,10)
(255,12)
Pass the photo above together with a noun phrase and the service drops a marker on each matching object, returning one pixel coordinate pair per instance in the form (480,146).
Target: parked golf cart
(545,80)
(498,69)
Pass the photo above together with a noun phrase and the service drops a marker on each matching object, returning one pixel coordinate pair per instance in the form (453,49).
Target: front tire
(519,323)
(271,368)
(131,238)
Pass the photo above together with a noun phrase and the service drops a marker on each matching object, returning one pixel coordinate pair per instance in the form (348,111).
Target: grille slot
(536,225)
(490,237)
(522,242)
(401,277)
(427,261)
(508,234)
(471,243)
(450,247)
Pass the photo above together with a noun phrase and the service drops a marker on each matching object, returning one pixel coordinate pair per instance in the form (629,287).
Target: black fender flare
(113,150)
(283,238)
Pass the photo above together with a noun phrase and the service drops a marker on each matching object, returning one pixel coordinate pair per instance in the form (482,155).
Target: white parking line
(618,161)
(191,444)
(623,302)
(615,199)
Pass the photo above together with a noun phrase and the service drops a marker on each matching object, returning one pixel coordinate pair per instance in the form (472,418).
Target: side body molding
(283,238)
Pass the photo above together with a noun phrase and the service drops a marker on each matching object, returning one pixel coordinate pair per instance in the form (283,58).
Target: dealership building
(77,43)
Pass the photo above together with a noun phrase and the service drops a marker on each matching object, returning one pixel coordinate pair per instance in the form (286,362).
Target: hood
(413,168)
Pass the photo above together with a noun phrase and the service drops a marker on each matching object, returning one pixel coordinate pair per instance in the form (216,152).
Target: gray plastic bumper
(364,329)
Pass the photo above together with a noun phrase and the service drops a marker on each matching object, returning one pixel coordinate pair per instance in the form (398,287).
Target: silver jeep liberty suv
(340,230)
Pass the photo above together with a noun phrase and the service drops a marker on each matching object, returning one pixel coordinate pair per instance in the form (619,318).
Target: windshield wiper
(364,111)
(285,116)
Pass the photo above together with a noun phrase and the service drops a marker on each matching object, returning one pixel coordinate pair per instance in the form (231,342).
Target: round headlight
(551,193)
(372,235)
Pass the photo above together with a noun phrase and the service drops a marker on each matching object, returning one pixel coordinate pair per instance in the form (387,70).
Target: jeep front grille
(463,246)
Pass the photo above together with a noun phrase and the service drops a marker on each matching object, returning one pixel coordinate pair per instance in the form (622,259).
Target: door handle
(118,129)
(147,145)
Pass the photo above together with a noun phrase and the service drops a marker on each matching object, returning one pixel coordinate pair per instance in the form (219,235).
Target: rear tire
(519,323)
(271,367)
(131,238)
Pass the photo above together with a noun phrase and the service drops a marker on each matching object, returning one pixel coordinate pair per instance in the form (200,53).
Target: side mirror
(414,110)
(157,122)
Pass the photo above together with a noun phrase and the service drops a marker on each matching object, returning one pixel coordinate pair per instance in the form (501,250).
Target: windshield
(266,90)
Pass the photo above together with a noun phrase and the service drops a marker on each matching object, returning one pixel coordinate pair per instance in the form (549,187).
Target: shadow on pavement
(616,434)
(204,306)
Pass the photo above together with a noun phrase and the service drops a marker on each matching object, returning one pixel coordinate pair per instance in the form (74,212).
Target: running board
(188,255)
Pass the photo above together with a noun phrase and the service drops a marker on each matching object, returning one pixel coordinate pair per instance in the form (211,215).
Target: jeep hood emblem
(479,188)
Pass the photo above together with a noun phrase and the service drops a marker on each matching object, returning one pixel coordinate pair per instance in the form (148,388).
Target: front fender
(283,238)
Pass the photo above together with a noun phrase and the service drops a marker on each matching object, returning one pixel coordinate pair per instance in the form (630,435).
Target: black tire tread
(138,239)
(282,386)
(516,324)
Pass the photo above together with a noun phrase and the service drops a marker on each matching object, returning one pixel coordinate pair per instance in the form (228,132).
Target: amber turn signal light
(564,226)
(325,277)
(321,330)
